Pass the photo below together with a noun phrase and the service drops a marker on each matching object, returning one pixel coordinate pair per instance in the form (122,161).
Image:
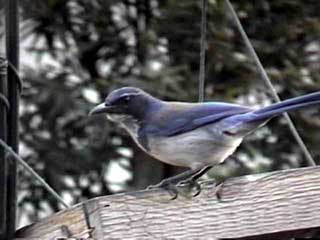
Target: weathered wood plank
(255,205)
(64,224)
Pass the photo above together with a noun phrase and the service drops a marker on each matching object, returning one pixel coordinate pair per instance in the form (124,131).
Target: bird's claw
(218,188)
(191,184)
(175,190)
(167,185)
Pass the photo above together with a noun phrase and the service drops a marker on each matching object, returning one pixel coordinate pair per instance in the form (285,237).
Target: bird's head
(124,103)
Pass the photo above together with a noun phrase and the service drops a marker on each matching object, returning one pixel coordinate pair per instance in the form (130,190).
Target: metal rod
(3,137)
(266,79)
(12,51)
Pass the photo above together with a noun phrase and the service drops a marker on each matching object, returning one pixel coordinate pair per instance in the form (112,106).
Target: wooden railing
(273,205)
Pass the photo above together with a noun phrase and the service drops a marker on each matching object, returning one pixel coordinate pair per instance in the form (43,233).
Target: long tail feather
(285,106)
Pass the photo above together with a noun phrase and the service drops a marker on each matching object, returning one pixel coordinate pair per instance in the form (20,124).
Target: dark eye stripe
(124,98)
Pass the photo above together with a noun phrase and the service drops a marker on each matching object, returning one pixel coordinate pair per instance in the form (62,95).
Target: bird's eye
(127,98)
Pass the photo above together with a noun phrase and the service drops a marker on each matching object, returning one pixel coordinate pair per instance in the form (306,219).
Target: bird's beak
(102,108)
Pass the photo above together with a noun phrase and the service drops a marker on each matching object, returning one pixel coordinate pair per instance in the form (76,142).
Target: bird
(198,136)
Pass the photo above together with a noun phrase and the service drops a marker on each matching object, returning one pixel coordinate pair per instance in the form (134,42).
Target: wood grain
(254,205)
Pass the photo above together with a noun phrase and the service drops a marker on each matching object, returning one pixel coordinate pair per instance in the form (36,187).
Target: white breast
(201,147)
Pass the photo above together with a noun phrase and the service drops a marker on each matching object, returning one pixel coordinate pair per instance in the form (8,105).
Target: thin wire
(16,73)
(269,84)
(33,173)
(202,64)
(4,100)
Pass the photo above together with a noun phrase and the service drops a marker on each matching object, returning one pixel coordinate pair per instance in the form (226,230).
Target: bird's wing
(177,118)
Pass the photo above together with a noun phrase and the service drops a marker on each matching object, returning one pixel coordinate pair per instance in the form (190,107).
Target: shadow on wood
(262,206)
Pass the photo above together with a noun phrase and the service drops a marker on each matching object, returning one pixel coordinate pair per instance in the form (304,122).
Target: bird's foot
(167,185)
(218,189)
(183,188)
(191,184)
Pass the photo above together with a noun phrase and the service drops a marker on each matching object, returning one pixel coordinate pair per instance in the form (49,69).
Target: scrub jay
(194,135)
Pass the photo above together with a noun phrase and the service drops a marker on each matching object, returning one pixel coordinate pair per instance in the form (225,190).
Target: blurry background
(74,52)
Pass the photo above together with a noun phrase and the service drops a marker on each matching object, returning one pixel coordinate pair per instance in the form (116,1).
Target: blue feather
(277,109)
(176,118)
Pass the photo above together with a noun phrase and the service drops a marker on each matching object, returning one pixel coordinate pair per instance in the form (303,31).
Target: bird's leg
(170,183)
(200,173)
(176,179)
(192,181)
(218,184)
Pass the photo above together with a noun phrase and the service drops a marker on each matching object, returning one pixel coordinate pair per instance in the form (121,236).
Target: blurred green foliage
(76,51)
